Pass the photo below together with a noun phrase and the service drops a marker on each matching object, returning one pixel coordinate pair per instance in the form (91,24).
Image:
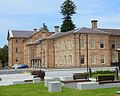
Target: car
(16,66)
(24,66)
(20,66)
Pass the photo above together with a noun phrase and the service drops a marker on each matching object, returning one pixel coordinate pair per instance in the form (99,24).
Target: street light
(87,50)
(118,50)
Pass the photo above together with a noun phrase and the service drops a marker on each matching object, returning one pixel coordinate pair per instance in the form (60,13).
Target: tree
(68,8)
(4,55)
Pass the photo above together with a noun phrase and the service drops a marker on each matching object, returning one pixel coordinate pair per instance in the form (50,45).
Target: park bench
(28,81)
(80,76)
(106,79)
(75,81)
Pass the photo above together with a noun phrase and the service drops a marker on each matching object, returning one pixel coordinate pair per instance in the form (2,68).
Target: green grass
(40,90)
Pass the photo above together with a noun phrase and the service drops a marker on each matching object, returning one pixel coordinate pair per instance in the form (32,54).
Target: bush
(104,72)
(38,73)
(0,79)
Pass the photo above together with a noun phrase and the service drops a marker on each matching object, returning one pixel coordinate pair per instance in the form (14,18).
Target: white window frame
(82,43)
(92,44)
(102,42)
(82,57)
(93,59)
(102,58)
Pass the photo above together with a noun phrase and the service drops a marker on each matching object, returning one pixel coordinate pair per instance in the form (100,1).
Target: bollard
(116,69)
(90,72)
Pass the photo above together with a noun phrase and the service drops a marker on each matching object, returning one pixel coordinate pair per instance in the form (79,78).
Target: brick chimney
(56,29)
(94,24)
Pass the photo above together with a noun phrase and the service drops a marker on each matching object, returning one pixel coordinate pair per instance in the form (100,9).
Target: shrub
(104,72)
(38,73)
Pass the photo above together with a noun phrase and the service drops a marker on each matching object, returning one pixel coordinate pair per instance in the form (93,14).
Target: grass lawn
(39,90)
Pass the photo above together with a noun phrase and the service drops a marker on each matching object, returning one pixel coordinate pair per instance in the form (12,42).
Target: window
(101,44)
(82,43)
(82,59)
(102,59)
(70,59)
(65,59)
(93,59)
(113,45)
(16,60)
(16,50)
(16,40)
(92,44)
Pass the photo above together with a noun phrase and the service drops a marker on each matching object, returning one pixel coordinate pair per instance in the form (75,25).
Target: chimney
(56,29)
(94,24)
(35,30)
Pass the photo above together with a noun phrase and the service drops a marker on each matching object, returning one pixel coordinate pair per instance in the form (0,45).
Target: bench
(74,81)
(105,79)
(28,81)
(80,76)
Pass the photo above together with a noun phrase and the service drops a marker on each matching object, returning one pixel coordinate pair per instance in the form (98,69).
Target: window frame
(82,59)
(102,43)
(82,43)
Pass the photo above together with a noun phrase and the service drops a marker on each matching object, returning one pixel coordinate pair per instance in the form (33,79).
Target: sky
(30,14)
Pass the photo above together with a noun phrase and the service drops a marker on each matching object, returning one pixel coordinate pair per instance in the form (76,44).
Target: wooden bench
(75,81)
(28,81)
(106,79)
(80,76)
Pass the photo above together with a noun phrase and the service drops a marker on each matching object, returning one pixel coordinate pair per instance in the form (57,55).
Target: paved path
(8,76)
(70,71)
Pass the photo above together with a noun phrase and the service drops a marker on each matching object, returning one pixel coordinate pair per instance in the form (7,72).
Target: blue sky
(29,14)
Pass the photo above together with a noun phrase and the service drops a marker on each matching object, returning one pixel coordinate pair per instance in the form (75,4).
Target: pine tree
(68,8)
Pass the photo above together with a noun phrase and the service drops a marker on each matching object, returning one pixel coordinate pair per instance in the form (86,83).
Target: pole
(87,50)
(119,59)
(116,69)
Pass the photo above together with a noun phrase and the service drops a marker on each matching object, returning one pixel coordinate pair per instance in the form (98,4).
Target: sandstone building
(76,48)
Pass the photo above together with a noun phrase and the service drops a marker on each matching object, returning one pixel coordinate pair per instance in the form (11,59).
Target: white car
(16,66)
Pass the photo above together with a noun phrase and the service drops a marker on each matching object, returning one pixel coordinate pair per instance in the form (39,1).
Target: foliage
(38,73)
(67,25)
(39,89)
(4,55)
(104,72)
(68,8)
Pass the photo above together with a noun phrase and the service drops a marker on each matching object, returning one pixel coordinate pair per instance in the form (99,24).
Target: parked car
(20,66)
(24,66)
(16,66)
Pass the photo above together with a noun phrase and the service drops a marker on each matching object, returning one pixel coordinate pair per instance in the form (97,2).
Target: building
(76,48)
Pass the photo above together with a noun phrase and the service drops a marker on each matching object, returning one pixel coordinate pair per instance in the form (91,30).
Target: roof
(21,33)
(83,30)
(60,34)
(111,31)
(36,41)
(90,31)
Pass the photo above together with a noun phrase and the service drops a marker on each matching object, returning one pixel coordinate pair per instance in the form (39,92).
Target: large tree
(4,55)
(68,8)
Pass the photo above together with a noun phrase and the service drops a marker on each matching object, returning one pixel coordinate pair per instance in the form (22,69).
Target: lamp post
(87,51)
(118,50)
